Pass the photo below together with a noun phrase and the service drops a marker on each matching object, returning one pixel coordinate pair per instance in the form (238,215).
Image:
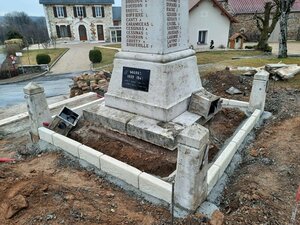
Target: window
(63,31)
(79,11)
(59,11)
(116,36)
(98,11)
(202,37)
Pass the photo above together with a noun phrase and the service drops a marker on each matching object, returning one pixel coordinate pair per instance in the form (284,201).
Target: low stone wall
(33,68)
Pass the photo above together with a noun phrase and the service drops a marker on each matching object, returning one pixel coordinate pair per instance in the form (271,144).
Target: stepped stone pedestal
(156,73)
(150,90)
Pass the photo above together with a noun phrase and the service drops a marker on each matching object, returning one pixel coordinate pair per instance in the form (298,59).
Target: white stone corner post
(37,107)
(192,166)
(259,91)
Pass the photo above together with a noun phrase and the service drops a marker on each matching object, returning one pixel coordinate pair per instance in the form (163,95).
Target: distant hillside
(34,18)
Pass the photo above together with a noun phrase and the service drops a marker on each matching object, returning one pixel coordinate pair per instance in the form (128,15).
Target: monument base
(163,93)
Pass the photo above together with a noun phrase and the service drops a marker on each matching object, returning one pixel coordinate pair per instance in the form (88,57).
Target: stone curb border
(24,115)
(217,169)
(145,182)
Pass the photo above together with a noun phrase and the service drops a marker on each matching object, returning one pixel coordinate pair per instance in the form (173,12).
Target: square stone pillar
(192,167)
(259,91)
(37,107)
(156,73)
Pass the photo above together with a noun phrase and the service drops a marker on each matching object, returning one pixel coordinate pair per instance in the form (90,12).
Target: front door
(100,32)
(82,33)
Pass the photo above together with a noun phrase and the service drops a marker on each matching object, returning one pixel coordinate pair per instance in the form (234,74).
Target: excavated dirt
(218,82)
(147,157)
(137,153)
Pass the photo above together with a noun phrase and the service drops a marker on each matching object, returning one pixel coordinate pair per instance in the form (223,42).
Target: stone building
(244,11)
(79,20)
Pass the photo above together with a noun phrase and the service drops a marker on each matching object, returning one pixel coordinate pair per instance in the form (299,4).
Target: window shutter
(75,12)
(57,31)
(102,11)
(69,31)
(94,11)
(65,12)
(84,12)
(54,11)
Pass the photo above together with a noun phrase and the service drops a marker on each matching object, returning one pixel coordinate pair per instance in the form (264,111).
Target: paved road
(75,60)
(12,94)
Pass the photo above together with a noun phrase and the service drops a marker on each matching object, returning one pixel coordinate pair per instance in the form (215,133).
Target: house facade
(79,20)
(244,11)
(209,24)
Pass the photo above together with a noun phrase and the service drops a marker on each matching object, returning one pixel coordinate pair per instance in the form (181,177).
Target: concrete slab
(46,134)
(226,156)
(239,137)
(120,170)
(186,119)
(155,187)
(249,124)
(213,176)
(90,155)
(66,144)
(155,132)
(194,136)
(108,117)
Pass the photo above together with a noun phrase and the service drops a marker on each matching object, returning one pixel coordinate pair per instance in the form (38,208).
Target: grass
(108,56)
(217,56)
(29,57)
(221,59)
(114,45)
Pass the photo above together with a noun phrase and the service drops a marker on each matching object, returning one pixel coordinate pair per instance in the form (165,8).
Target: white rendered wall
(210,18)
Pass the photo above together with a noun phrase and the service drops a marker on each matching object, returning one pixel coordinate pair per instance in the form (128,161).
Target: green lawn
(108,56)
(29,57)
(114,45)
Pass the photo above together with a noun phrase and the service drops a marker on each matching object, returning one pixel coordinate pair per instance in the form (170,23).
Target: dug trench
(148,157)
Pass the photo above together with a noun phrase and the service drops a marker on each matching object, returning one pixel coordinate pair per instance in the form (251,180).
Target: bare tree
(285,9)
(267,22)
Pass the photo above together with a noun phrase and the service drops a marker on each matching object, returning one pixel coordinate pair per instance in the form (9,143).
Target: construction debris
(233,91)
(288,72)
(84,83)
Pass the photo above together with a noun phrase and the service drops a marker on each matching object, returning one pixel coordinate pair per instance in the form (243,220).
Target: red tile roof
(195,3)
(252,6)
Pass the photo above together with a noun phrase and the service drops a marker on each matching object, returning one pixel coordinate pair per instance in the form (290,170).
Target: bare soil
(52,189)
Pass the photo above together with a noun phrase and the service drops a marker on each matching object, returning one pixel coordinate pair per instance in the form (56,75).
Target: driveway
(74,60)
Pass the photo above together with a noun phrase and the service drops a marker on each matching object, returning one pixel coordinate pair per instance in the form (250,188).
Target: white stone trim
(121,170)
(155,187)
(90,155)
(213,175)
(46,134)
(66,144)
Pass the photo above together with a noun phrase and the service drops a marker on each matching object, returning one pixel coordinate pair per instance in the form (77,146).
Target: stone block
(194,136)
(46,134)
(66,144)
(229,103)
(249,124)
(90,155)
(186,119)
(239,137)
(257,114)
(155,132)
(110,118)
(213,175)
(155,187)
(226,156)
(120,170)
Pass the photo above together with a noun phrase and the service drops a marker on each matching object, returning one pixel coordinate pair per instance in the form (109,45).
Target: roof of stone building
(116,12)
(253,6)
(76,2)
(195,3)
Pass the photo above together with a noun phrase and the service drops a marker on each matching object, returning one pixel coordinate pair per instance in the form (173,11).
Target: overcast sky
(31,7)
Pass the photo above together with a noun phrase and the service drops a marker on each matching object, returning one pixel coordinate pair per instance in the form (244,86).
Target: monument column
(155,73)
